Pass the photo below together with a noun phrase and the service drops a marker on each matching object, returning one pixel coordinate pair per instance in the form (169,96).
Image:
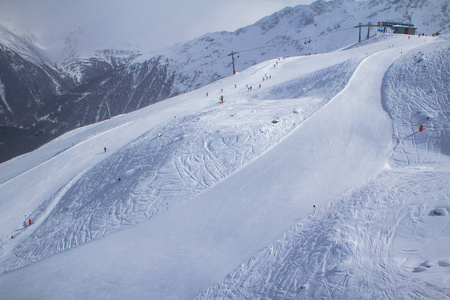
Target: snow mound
(439,211)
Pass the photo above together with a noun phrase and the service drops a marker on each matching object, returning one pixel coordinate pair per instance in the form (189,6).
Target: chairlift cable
(262,47)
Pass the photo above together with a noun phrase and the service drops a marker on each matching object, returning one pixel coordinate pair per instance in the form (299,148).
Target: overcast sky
(152,24)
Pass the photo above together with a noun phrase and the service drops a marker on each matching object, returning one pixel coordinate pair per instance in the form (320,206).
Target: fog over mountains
(41,99)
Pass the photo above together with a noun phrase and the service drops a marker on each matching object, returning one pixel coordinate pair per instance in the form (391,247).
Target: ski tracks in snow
(388,238)
(354,246)
(171,164)
(357,247)
(412,100)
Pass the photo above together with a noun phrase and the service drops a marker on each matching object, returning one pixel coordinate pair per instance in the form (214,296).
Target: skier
(104,149)
(221,99)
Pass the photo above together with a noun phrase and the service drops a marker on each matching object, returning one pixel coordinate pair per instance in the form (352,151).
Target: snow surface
(217,199)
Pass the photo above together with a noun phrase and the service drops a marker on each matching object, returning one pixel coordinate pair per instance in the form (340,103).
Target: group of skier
(248,87)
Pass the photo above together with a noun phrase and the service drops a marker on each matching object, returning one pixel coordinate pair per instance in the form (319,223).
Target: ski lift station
(400,28)
(395,27)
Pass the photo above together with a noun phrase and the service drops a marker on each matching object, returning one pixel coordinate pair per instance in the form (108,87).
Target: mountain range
(42,99)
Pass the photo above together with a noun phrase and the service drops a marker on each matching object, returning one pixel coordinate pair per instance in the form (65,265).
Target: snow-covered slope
(214,186)
(196,159)
(388,238)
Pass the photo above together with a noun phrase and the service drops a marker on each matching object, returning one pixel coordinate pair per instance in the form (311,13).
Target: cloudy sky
(150,24)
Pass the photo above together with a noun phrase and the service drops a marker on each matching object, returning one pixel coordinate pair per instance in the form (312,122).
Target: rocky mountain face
(29,85)
(82,70)
(40,101)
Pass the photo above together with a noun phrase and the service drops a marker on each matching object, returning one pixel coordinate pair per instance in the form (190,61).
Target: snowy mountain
(89,88)
(29,85)
(34,93)
(85,69)
(330,180)
(305,29)
(24,44)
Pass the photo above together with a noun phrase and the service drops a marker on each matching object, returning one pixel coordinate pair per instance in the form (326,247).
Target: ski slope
(205,189)
(387,238)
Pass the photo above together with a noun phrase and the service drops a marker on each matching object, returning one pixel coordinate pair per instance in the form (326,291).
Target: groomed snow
(337,157)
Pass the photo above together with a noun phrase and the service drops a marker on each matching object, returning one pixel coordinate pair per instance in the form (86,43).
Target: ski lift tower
(368,25)
(232,54)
